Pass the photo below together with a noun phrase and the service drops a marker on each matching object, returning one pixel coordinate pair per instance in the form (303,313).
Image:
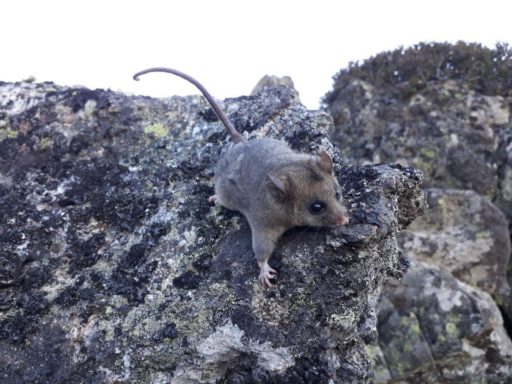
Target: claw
(266,274)
(213,199)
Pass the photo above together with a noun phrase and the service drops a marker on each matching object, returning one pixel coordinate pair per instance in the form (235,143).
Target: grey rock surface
(435,329)
(114,267)
(465,234)
(445,109)
(269,81)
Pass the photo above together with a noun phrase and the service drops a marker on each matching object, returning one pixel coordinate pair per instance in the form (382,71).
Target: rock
(113,266)
(465,234)
(268,81)
(445,109)
(442,108)
(435,329)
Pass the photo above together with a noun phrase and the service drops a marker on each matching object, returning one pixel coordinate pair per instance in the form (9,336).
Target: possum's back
(243,169)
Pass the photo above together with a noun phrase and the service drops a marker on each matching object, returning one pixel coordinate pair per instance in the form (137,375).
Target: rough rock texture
(466,235)
(114,268)
(425,334)
(445,109)
(268,81)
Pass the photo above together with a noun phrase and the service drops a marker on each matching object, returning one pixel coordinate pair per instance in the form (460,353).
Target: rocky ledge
(114,267)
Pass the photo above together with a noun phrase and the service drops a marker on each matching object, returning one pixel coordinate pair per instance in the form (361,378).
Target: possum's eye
(337,195)
(317,207)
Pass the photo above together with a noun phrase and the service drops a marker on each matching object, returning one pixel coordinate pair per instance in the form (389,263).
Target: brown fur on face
(307,185)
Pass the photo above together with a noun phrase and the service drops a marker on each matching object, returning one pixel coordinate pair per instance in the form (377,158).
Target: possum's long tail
(237,137)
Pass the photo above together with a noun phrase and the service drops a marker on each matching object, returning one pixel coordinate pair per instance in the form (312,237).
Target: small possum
(274,187)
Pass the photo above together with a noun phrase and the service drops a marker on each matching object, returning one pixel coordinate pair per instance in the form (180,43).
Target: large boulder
(435,329)
(114,267)
(445,109)
(465,234)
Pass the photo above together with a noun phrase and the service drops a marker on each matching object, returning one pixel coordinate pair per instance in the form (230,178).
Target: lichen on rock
(426,333)
(446,110)
(114,267)
(465,234)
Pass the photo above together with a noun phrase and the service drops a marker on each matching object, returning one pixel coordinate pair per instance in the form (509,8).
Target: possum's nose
(341,219)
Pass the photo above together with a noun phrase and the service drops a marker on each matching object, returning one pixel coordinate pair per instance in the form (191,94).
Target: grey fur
(274,187)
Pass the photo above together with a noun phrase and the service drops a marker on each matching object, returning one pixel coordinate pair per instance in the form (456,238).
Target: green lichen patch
(8,133)
(157,130)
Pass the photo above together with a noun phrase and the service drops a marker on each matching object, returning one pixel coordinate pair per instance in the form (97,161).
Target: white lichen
(229,344)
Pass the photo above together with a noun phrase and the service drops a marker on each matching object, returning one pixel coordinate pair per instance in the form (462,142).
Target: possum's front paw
(266,274)
(213,200)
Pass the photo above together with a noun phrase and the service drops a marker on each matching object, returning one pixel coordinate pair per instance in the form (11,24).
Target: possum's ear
(324,161)
(281,185)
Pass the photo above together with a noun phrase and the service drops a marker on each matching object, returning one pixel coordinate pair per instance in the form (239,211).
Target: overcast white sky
(227,45)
